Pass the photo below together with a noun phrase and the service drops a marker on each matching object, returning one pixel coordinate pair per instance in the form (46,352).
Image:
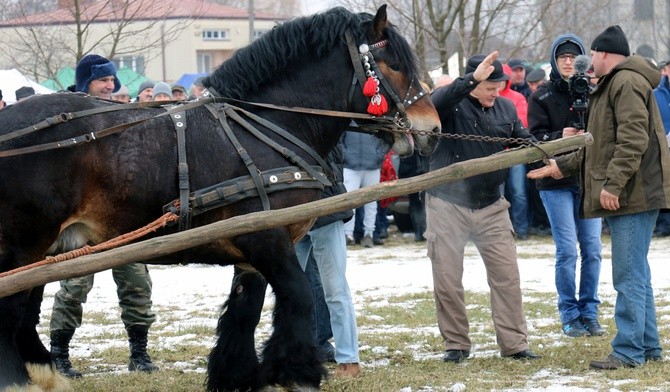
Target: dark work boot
(60,352)
(139,359)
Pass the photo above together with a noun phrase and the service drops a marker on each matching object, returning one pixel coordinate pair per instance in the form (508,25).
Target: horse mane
(300,39)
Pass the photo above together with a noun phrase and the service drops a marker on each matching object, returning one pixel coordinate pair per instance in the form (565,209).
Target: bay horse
(57,199)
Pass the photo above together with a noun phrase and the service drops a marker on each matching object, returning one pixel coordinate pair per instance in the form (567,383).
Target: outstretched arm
(550,170)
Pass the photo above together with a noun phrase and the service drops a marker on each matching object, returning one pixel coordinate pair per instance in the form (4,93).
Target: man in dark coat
(473,209)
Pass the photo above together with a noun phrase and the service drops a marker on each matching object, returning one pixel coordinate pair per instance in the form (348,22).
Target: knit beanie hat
(612,40)
(92,67)
(162,88)
(145,85)
(568,47)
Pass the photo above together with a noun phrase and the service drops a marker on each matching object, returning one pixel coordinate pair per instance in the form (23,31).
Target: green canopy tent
(65,78)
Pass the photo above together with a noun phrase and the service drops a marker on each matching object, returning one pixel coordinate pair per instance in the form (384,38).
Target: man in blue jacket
(662,94)
(473,209)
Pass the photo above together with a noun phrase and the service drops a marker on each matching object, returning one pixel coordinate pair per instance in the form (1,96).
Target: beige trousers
(449,228)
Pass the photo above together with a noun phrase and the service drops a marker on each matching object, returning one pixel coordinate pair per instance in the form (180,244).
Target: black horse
(57,199)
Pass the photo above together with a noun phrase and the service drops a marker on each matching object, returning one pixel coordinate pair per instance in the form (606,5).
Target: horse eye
(395,67)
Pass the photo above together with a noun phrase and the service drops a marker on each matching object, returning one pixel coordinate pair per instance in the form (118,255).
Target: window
(258,33)
(215,35)
(136,63)
(204,63)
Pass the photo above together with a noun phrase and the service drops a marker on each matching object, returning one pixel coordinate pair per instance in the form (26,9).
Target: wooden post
(248,223)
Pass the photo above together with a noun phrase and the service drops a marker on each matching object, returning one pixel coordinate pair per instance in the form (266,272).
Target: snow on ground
(195,293)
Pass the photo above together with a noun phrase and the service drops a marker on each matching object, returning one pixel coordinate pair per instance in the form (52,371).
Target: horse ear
(379,24)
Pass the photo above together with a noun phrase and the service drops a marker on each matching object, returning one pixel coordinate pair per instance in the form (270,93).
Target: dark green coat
(629,156)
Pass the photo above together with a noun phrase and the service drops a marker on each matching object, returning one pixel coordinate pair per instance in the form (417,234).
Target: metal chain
(522,142)
(479,138)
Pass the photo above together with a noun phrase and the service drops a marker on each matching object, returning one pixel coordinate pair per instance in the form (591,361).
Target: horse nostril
(436,130)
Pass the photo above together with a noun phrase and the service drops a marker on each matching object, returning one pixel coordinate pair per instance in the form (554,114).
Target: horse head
(308,62)
(391,68)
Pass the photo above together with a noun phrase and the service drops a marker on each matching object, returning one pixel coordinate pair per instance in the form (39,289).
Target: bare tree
(41,43)
(518,28)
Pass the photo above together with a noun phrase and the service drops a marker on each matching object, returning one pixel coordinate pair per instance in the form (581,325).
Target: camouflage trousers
(133,287)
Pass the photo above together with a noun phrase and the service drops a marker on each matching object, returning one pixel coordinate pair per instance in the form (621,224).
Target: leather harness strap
(240,188)
(64,117)
(179,121)
(287,153)
(226,132)
(359,72)
(89,137)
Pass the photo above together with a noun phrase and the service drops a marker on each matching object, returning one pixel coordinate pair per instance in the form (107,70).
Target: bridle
(366,67)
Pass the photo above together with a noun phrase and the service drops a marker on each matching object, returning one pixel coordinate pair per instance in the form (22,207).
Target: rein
(87,137)
(380,123)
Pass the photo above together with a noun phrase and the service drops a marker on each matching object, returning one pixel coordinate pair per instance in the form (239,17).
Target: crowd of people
(622,180)
(574,199)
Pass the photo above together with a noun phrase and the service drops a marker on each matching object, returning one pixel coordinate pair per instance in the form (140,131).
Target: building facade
(160,40)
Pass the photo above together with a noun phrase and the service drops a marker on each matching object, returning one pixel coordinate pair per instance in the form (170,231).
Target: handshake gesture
(608,201)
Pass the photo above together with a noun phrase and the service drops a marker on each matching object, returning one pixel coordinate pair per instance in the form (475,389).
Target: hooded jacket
(518,99)
(550,110)
(460,113)
(629,157)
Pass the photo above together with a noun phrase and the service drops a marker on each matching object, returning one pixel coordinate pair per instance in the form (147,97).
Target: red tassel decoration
(378,105)
(370,87)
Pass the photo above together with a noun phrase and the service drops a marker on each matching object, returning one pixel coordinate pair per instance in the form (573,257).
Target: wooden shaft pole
(167,244)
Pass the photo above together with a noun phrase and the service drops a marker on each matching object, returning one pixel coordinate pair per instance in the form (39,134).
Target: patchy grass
(400,345)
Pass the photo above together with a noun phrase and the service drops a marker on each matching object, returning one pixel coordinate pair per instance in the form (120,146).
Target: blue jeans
(328,246)
(516,193)
(562,206)
(321,325)
(634,311)
(381,223)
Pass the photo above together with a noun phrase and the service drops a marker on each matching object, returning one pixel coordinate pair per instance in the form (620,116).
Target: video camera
(580,86)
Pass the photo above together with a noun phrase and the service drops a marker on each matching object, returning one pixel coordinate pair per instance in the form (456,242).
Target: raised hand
(485,68)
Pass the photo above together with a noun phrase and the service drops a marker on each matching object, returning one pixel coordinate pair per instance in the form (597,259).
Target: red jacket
(517,98)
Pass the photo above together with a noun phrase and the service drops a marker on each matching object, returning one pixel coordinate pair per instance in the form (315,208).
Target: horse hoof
(46,378)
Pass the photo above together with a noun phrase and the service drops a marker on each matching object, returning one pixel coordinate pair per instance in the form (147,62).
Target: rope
(109,244)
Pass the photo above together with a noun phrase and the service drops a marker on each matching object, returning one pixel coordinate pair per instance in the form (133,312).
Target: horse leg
(36,357)
(290,355)
(233,363)
(13,372)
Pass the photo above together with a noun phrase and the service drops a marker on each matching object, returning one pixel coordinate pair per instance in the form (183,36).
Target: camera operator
(557,109)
